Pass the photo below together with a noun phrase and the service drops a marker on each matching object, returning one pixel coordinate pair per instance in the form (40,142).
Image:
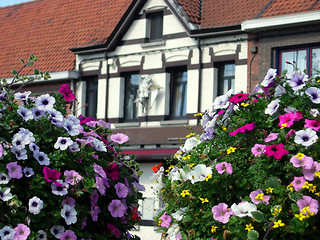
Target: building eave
(291,20)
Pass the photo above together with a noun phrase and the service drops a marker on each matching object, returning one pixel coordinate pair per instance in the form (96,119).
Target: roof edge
(216,31)
(280,21)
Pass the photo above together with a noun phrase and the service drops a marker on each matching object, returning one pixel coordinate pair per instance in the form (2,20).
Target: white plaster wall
(159,106)
(207,89)
(153,61)
(101,98)
(241,78)
(154,4)
(81,96)
(115,97)
(192,91)
(171,25)
(137,30)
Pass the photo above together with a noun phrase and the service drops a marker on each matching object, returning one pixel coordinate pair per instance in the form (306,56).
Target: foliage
(254,172)
(60,176)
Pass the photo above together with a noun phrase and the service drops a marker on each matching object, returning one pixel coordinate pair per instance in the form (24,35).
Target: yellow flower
(301,216)
(244,104)
(283,125)
(231,150)
(204,200)
(186,157)
(184,193)
(317,194)
(259,196)
(224,128)
(306,185)
(169,168)
(214,229)
(190,135)
(276,211)
(191,164)
(300,155)
(208,177)
(198,114)
(317,174)
(290,187)
(277,224)
(249,227)
(313,189)
(269,190)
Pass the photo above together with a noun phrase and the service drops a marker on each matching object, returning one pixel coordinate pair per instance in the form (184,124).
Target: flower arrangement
(254,171)
(60,175)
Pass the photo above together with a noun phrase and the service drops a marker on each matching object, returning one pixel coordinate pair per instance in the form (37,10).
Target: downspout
(199,79)
(107,88)
(253,50)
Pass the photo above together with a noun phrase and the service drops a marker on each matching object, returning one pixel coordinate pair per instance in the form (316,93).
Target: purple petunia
(14,170)
(258,149)
(297,81)
(314,94)
(119,138)
(224,167)
(68,235)
(117,208)
(298,182)
(308,202)
(121,190)
(72,177)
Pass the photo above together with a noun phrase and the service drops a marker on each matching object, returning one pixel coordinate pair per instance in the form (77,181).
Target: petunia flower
(37,113)
(14,170)
(224,167)
(119,138)
(57,230)
(306,137)
(272,107)
(244,129)
(45,102)
(63,143)
(289,118)
(4,178)
(42,158)
(115,231)
(61,189)
(189,144)
(5,194)
(277,151)
(25,113)
(258,149)
(304,162)
(309,174)
(72,177)
(199,173)
(271,137)
(165,220)
(69,214)
(258,197)
(112,171)
(35,205)
(22,96)
(51,175)
(66,92)
(42,235)
(309,202)
(314,112)
(314,94)
(312,124)
(297,183)
(221,213)
(297,81)
(121,190)
(240,97)
(117,208)
(243,209)
(21,232)
(7,233)
(270,77)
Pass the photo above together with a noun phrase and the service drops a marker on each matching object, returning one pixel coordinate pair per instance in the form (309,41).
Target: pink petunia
(258,197)
(244,129)
(305,162)
(258,149)
(22,232)
(239,98)
(119,138)
(308,202)
(221,213)
(165,220)
(271,137)
(277,151)
(224,167)
(289,118)
(67,92)
(313,124)
(297,183)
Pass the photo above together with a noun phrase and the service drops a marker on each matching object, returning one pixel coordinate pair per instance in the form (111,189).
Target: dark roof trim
(264,8)
(217,31)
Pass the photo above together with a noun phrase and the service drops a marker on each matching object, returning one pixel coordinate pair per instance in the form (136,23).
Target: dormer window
(154,26)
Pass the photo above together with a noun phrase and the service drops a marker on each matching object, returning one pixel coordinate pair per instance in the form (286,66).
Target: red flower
(112,171)
(156,167)
(277,151)
(135,216)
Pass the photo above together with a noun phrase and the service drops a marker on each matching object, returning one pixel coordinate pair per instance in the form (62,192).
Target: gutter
(290,20)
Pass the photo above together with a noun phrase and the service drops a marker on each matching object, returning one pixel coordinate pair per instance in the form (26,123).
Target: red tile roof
(192,9)
(282,7)
(229,12)
(49,28)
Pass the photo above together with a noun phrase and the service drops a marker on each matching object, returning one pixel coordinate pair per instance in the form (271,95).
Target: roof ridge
(265,7)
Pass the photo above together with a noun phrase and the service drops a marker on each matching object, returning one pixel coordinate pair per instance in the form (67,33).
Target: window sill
(127,125)
(174,122)
(156,43)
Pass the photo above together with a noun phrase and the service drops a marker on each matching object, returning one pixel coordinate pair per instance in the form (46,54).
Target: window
(91,96)
(155,26)
(226,76)
(306,59)
(130,105)
(178,93)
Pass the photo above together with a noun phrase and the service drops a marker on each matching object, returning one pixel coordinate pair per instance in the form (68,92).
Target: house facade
(148,66)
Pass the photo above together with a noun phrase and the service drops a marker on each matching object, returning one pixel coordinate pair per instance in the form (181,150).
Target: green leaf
(36,72)
(14,72)
(21,60)
(253,235)
(295,196)
(273,182)
(257,215)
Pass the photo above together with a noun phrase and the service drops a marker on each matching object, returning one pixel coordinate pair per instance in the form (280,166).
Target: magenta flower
(313,124)
(67,92)
(271,137)
(22,232)
(117,208)
(239,97)
(121,190)
(119,138)
(277,151)
(112,171)
(72,177)
(51,175)
(165,220)
(14,170)
(258,197)
(115,231)
(244,129)
(305,162)
(68,235)
(290,134)
(298,182)
(224,167)
(289,118)
(221,213)
(258,149)
(307,201)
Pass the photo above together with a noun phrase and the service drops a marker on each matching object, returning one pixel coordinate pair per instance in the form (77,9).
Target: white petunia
(4,178)
(243,209)
(35,205)
(5,194)
(60,190)
(199,173)
(178,215)
(45,102)
(69,214)
(42,235)
(272,107)
(63,143)
(57,230)
(189,144)
(306,137)
(7,233)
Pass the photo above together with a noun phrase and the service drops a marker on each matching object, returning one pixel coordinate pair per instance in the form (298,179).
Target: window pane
(315,61)
(179,94)
(156,25)
(130,106)
(91,98)
(298,58)
(226,76)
